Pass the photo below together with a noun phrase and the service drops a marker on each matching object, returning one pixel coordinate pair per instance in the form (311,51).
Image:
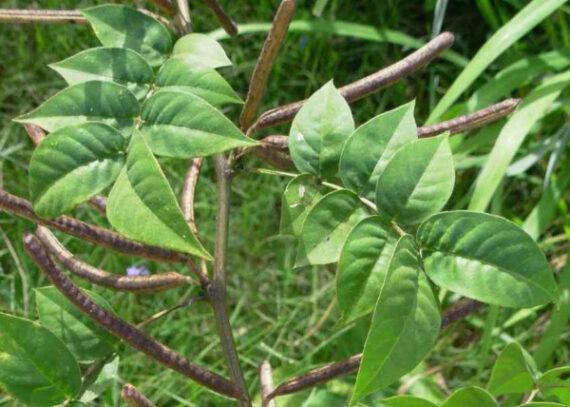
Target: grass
(272,305)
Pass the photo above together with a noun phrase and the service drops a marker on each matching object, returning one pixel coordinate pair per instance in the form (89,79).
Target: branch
(37,134)
(217,289)
(134,398)
(370,84)
(262,69)
(94,234)
(471,121)
(266,384)
(123,330)
(165,312)
(336,369)
(224,19)
(135,284)
(56,16)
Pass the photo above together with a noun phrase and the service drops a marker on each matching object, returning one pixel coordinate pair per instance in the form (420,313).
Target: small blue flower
(135,271)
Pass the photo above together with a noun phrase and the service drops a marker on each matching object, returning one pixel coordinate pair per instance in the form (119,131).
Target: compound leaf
(326,227)
(72,165)
(183,125)
(93,101)
(36,369)
(143,207)
(404,326)
(119,65)
(487,258)
(363,264)
(417,181)
(319,131)
(126,27)
(369,149)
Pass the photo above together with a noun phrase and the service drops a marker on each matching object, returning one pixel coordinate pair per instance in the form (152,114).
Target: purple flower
(135,271)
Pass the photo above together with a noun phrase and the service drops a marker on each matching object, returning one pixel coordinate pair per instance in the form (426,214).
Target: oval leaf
(326,227)
(511,372)
(404,326)
(417,181)
(119,65)
(72,165)
(369,149)
(93,101)
(319,131)
(470,397)
(406,401)
(181,75)
(85,339)
(36,369)
(125,27)
(363,265)
(202,49)
(183,125)
(486,258)
(143,207)
(300,195)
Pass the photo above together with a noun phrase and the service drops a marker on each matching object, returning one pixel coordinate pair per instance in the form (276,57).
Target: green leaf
(470,397)
(178,74)
(300,195)
(72,165)
(530,110)
(119,65)
(362,267)
(367,152)
(417,181)
(36,369)
(518,26)
(85,339)
(125,27)
(511,372)
(543,404)
(183,125)
(200,48)
(487,258)
(405,401)
(556,383)
(404,326)
(93,101)
(326,227)
(319,131)
(143,207)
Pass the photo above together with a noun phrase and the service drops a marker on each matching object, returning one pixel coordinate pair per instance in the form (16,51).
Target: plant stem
(184,15)
(217,289)
(189,192)
(224,19)
(262,69)
(122,329)
(266,384)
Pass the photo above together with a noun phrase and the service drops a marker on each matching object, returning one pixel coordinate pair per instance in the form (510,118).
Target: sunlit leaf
(126,27)
(72,165)
(202,49)
(143,207)
(93,101)
(183,125)
(404,326)
(487,258)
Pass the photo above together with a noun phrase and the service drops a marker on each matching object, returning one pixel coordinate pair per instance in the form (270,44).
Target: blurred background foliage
(286,315)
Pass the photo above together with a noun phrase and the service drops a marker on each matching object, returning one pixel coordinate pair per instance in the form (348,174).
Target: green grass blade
(532,109)
(343,29)
(319,7)
(511,32)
